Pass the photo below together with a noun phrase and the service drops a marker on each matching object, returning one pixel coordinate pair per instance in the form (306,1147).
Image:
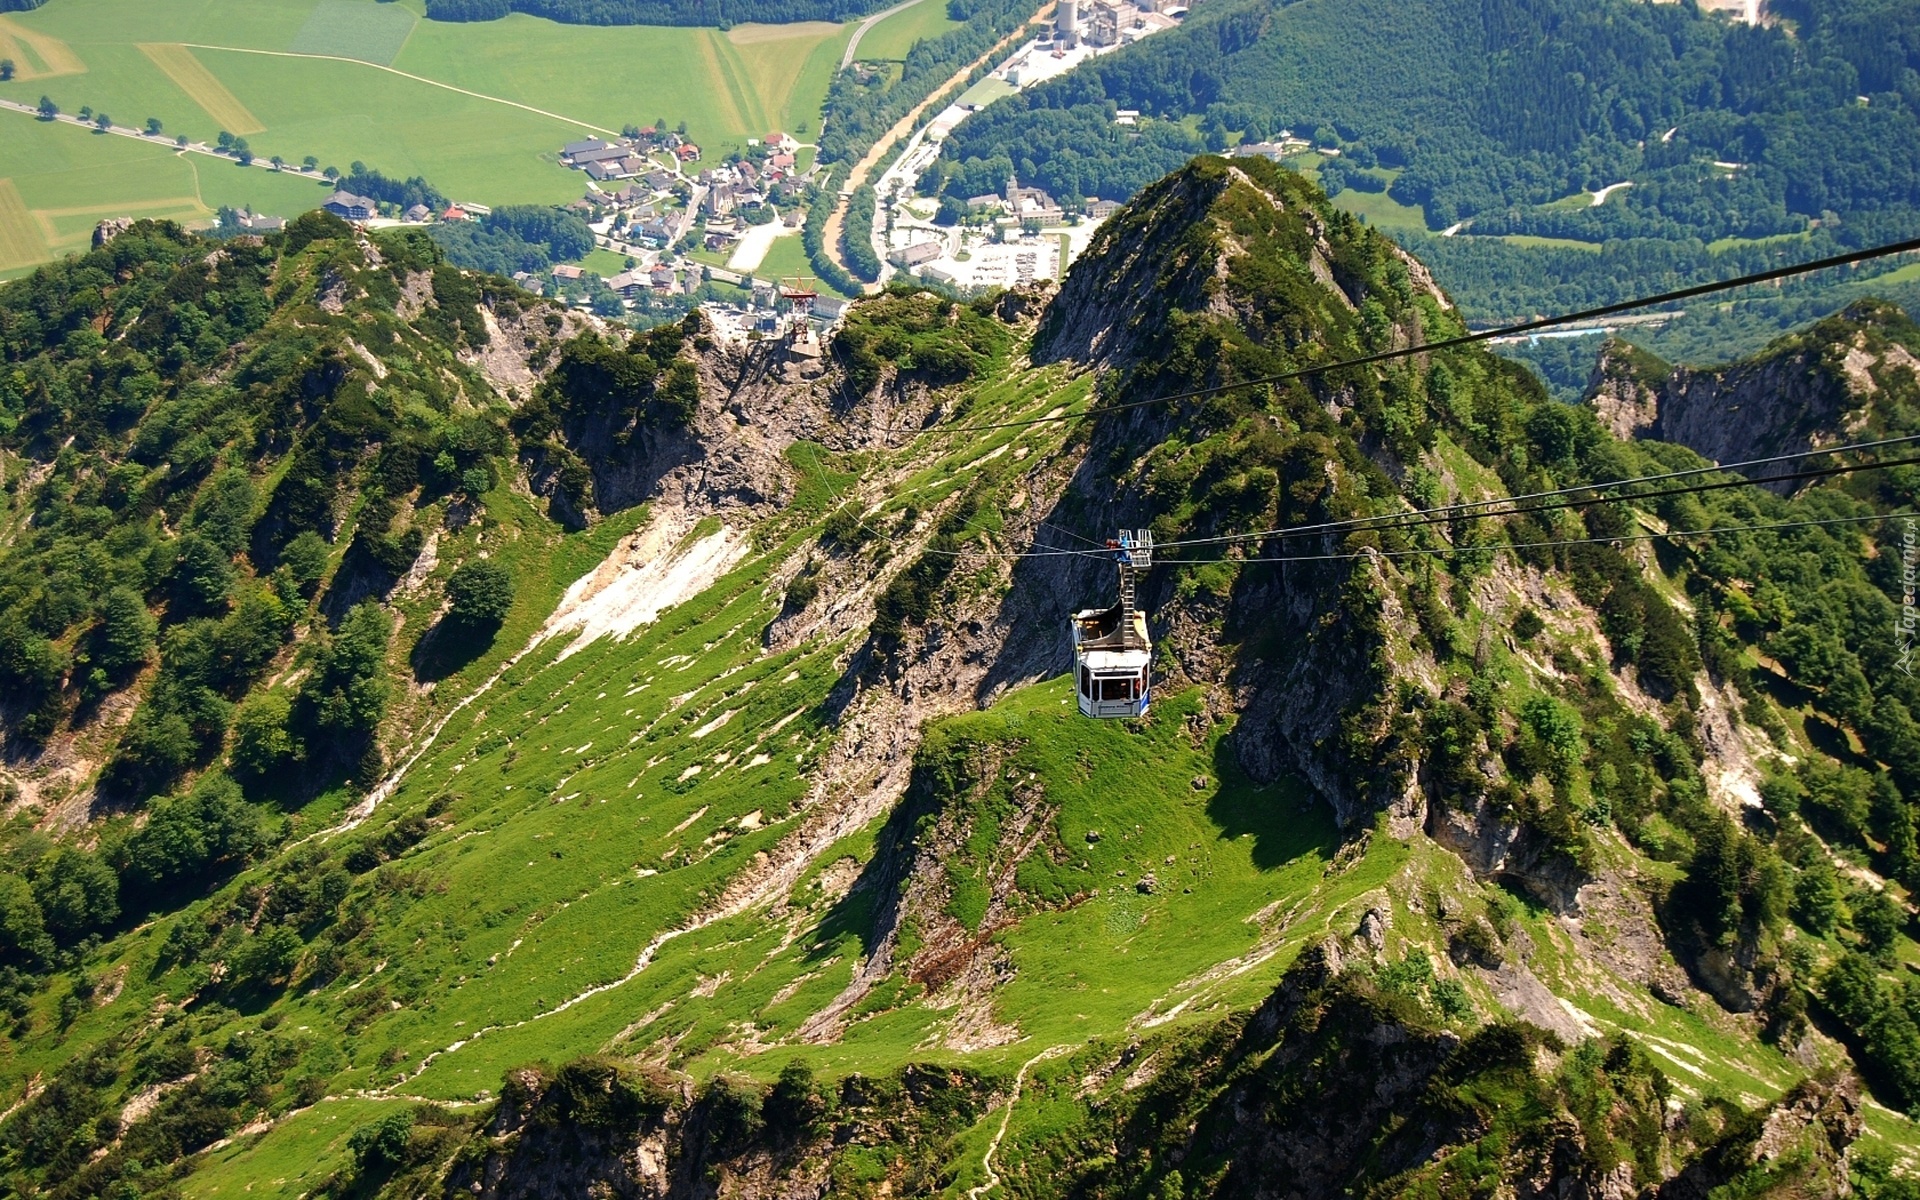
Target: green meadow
(67,179)
(359,80)
(893,37)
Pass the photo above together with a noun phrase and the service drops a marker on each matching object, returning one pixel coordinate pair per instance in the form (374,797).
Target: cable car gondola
(1111,651)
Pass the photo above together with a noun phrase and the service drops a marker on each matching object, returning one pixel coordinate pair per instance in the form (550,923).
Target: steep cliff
(1842,380)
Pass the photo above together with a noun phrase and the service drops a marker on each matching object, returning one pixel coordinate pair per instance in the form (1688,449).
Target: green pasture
(352,29)
(69,179)
(453,102)
(604,263)
(291,1158)
(893,37)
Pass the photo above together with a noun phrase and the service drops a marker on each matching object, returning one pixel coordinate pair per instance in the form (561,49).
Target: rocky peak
(1832,383)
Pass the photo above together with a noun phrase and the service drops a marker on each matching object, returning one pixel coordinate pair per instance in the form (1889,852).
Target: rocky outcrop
(602,1129)
(1797,1147)
(1808,390)
(1113,308)
(110,229)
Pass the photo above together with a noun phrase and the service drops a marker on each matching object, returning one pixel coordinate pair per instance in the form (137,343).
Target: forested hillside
(461,753)
(655,12)
(1505,115)
(1487,108)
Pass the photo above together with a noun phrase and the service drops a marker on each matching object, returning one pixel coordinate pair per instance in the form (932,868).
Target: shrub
(77,893)
(481,592)
(306,558)
(382,1145)
(1527,625)
(202,574)
(261,740)
(189,837)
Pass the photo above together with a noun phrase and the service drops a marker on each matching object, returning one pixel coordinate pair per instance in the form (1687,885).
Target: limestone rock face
(1814,389)
(110,229)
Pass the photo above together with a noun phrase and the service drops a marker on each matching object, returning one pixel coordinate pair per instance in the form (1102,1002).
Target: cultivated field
(61,181)
(19,241)
(202,87)
(35,55)
(478,109)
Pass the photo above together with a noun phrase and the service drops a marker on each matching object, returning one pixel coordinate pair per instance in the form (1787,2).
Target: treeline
(720,13)
(856,234)
(1487,109)
(363,180)
(515,238)
(1075,153)
(813,240)
(157,377)
(1496,280)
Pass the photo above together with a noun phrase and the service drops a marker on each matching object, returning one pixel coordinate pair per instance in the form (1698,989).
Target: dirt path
(830,234)
(1006,1115)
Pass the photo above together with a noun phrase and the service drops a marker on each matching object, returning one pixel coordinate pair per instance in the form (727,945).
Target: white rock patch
(648,574)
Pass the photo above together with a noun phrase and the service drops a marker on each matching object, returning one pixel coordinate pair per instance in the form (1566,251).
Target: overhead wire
(1417,518)
(1465,339)
(1587,541)
(1446,514)
(1459,509)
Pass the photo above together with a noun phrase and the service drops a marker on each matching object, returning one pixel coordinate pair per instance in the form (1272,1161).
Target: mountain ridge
(794,865)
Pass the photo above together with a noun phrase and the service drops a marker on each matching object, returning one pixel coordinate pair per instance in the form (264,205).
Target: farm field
(893,37)
(478,109)
(60,181)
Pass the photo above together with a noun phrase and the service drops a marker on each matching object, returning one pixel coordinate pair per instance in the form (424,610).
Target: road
(830,235)
(189,148)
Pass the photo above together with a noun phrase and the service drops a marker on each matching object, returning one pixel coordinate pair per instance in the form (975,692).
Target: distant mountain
(1851,377)
(1508,117)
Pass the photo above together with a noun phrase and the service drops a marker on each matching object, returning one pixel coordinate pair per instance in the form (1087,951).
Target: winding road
(830,233)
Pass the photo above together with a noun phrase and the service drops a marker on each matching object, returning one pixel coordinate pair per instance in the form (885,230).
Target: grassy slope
(576,833)
(576,819)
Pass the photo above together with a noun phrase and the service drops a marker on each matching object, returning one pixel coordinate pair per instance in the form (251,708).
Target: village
(1020,234)
(687,232)
(692,233)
